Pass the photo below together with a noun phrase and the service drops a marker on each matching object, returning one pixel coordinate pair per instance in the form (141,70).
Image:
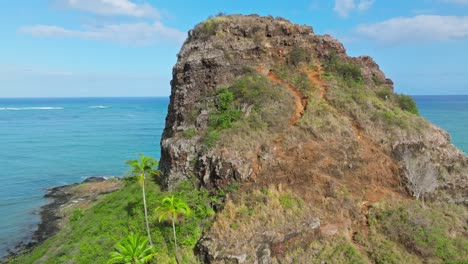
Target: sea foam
(99,107)
(30,108)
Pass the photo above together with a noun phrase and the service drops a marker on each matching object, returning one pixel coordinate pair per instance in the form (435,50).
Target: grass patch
(331,250)
(423,231)
(189,133)
(209,27)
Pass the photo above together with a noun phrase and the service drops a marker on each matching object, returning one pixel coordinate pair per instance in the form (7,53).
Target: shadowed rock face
(341,127)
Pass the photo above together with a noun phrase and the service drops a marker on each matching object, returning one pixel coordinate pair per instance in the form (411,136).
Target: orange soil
(299,100)
(369,174)
(315,76)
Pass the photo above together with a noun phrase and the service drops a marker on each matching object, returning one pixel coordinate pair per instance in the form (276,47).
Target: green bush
(76,215)
(298,56)
(257,96)
(189,133)
(408,104)
(211,138)
(209,27)
(348,71)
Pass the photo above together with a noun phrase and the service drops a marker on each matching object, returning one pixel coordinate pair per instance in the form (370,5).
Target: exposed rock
(349,134)
(204,64)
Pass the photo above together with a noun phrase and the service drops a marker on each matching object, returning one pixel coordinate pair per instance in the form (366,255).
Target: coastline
(64,200)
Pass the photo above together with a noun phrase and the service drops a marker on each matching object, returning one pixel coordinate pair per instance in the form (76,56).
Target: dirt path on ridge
(300,101)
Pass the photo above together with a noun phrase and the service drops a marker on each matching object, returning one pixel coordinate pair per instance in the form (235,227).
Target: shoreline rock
(64,199)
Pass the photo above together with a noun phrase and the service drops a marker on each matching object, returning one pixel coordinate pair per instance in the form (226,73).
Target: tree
(140,168)
(172,207)
(132,250)
(421,174)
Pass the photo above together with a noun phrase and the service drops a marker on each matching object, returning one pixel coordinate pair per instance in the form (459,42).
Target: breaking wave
(99,107)
(30,108)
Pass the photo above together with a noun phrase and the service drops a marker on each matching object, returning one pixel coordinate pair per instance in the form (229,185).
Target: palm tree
(172,207)
(140,168)
(132,250)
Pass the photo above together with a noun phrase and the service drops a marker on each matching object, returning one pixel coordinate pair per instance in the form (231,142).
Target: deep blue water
(50,142)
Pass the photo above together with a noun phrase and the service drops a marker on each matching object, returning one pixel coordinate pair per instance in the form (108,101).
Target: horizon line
(84,97)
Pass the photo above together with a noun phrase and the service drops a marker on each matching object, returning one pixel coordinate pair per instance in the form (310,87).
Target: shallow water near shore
(51,142)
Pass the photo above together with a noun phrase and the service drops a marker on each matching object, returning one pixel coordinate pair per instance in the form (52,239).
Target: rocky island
(289,151)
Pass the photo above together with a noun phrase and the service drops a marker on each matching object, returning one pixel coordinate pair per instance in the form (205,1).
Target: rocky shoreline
(65,199)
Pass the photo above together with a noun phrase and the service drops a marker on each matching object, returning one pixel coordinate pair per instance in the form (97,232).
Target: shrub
(211,138)
(298,56)
(209,27)
(189,133)
(348,71)
(408,104)
(76,215)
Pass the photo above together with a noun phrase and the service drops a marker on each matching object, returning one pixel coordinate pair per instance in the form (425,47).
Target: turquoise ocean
(50,142)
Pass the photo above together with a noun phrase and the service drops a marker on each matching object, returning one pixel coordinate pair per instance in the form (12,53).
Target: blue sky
(68,48)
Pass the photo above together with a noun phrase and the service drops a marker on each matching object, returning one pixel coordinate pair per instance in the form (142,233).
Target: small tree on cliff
(140,168)
(172,207)
(421,174)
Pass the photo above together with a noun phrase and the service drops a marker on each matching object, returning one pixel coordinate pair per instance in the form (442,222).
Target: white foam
(99,107)
(30,108)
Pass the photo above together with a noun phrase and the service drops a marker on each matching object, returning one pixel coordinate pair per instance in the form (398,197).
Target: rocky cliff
(310,144)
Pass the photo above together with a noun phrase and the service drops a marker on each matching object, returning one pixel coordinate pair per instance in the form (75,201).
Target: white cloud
(344,7)
(417,28)
(136,33)
(111,7)
(365,4)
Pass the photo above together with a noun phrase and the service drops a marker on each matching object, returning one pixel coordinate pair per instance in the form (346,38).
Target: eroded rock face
(337,138)
(240,44)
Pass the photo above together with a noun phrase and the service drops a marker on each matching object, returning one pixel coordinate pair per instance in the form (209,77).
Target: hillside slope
(325,150)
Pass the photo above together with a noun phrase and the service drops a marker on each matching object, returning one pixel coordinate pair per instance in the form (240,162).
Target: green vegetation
(226,113)
(408,104)
(293,76)
(140,168)
(346,70)
(209,27)
(424,231)
(77,214)
(189,133)
(91,237)
(172,207)
(247,108)
(132,250)
(326,250)
(298,56)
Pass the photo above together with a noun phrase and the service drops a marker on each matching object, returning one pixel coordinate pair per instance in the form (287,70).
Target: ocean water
(449,112)
(50,142)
